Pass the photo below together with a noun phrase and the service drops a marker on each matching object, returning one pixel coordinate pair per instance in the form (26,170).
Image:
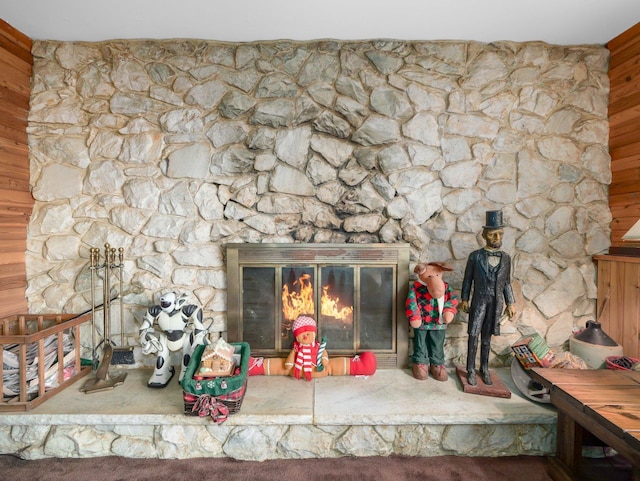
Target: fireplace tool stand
(102,379)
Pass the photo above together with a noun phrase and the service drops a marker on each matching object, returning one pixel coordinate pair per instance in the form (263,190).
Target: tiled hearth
(387,413)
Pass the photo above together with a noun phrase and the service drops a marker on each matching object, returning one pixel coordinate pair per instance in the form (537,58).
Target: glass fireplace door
(336,313)
(350,318)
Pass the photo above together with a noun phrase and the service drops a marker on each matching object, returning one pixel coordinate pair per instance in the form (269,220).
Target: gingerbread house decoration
(217,359)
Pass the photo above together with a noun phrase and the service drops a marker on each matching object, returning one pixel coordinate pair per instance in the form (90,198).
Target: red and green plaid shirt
(422,305)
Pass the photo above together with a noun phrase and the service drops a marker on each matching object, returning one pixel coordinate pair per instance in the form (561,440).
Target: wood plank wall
(624,135)
(16,201)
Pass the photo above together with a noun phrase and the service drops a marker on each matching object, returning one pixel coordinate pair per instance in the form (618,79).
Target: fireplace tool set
(111,354)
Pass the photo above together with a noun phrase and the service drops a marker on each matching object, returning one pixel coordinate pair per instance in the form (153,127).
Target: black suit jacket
(476,276)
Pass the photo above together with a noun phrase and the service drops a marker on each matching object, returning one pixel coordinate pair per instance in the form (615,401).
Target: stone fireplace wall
(172,149)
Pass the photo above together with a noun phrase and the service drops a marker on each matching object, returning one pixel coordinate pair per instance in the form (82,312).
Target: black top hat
(494,219)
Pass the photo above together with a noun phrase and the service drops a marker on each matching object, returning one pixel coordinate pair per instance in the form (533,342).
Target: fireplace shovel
(102,380)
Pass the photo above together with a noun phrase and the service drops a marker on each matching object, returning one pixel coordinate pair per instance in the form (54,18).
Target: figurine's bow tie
(494,253)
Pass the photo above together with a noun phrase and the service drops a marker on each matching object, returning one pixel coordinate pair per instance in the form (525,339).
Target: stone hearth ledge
(387,413)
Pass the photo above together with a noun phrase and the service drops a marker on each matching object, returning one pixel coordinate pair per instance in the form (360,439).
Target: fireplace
(356,292)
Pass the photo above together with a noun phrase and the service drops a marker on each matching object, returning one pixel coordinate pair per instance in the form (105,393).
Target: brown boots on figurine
(422,371)
(439,373)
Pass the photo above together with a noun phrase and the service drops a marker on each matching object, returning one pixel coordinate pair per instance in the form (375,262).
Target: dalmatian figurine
(180,328)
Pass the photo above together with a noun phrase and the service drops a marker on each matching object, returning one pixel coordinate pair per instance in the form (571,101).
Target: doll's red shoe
(439,373)
(420,372)
(364,364)
(256,366)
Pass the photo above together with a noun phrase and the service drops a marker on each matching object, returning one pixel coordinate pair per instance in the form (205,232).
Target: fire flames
(299,300)
(330,307)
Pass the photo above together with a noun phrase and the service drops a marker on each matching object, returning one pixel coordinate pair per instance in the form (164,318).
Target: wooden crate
(29,333)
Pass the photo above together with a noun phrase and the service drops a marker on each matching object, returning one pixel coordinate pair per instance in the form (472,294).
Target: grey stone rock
(391,103)
(177,201)
(320,171)
(206,95)
(377,130)
(354,112)
(306,110)
(288,180)
(352,88)
(386,63)
(330,192)
(225,133)
(383,187)
(261,138)
(276,85)
(319,67)
(191,161)
(393,159)
(565,289)
(235,104)
(181,121)
(471,126)
(425,201)
(129,75)
(332,124)
(52,219)
(274,113)
(353,174)
(58,181)
(74,56)
(292,146)
(234,160)
(143,148)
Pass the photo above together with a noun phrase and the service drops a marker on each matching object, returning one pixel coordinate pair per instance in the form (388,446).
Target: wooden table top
(587,376)
(609,397)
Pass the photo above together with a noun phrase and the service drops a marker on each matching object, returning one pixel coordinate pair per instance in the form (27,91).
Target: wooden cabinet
(619,278)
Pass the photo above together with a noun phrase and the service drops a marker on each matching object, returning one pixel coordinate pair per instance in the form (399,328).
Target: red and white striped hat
(303,323)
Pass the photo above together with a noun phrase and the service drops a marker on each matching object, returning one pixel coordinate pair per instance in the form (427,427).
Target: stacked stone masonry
(173,148)
(178,440)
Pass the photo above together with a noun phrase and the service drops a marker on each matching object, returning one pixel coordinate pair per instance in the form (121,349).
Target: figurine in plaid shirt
(431,305)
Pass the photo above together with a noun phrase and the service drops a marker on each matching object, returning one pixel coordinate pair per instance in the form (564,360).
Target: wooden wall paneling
(625,157)
(625,110)
(624,134)
(15,42)
(8,96)
(19,64)
(619,278)
(14,176)
(12,134)
(631,308)
(616,302)
(618,73)
(16,201)
(12,301)
(603,309)
(619,44)
(12,276)
(620,92)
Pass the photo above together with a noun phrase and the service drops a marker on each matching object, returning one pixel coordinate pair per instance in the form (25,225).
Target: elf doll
(431,305)
(308,358)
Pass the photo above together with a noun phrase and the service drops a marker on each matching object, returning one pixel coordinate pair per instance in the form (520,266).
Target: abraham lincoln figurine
(488,270)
